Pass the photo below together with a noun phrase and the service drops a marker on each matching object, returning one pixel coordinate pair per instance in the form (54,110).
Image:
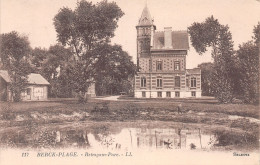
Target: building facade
(161,59)
(36,88)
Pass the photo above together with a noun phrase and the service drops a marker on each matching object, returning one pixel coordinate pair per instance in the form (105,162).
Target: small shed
(36,89)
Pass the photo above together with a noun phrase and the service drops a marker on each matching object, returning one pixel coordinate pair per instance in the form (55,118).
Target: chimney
(168,37)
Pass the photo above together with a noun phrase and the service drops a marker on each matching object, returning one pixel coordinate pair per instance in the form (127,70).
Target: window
(177,81)
(193,82)
(147,46)
(193,94)
(143,82)
(143,94)
(159,82)
(144,46)
(28,91)
(159,94)
(177,94)
(141,47)
(187,82)
(147,31)
(176,65)
(159,65)
(143,31)
(168,94)
(38,92)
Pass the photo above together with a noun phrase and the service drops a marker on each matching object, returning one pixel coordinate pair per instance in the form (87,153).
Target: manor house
(161,59)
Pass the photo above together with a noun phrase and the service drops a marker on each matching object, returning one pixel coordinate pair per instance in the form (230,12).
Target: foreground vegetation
(230,121)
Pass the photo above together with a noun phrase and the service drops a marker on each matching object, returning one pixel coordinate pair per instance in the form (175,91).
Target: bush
(8,113)
(226,138)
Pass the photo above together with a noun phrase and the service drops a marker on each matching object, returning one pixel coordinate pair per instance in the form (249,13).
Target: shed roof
(33,78)
(180,40)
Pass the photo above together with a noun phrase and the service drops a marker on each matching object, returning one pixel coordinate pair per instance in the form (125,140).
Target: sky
(34,18)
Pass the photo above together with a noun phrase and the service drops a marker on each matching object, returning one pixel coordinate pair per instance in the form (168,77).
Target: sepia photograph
(144,82)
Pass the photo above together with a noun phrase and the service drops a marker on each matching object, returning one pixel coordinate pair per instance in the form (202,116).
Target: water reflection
(111,138)
(134,138)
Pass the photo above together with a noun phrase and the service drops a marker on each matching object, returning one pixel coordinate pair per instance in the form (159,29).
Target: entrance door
(28,91)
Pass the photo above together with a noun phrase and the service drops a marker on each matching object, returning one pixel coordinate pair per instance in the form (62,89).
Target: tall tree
(14,52)
(248,62)
(212,34)
(247,58)
(84,29)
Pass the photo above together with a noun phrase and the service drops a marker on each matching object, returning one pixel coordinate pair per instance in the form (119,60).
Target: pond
(116,136)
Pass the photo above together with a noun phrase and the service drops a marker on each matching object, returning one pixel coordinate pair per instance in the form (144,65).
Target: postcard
(144,82)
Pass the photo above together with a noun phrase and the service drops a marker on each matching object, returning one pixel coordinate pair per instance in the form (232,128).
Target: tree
(114,70)
(84,29)
(248,62)
(256,32)
(212,34)
(57,58)
(54,68)
(14,52)
(206,79)
(38,55)
(52,64)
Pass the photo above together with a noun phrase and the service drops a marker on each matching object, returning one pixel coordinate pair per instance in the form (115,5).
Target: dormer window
(145,20)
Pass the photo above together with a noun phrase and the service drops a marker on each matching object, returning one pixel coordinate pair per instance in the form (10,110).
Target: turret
(145,30)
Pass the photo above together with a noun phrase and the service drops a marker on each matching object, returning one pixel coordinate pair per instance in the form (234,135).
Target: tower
(145,30)
(161,61)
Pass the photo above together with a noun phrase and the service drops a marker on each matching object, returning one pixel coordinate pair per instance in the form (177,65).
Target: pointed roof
(146,18)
